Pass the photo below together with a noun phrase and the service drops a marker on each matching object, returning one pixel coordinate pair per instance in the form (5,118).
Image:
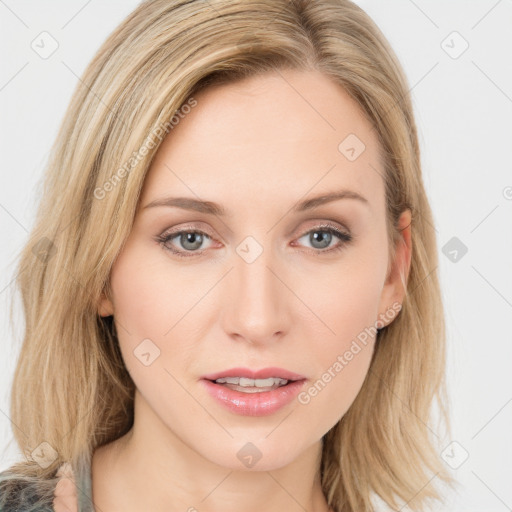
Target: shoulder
(17,494)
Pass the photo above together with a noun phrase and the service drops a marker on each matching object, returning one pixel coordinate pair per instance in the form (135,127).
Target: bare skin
(257,148)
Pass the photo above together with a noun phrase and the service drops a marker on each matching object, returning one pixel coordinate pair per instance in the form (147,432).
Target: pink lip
(254,404)
(255,374)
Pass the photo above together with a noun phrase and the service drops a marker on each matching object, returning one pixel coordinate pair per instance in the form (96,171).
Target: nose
(256,307)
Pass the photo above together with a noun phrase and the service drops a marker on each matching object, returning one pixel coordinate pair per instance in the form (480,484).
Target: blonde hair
(71,388)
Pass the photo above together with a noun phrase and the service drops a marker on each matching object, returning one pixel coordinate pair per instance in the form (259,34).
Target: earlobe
(105,307)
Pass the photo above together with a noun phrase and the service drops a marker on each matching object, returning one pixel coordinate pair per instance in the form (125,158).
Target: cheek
(153,305)
(346,298)
(342,359)
(147,299)
(141,308)
(145,309)
(345,295)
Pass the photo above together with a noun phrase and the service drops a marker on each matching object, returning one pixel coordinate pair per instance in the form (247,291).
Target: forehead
(275,135)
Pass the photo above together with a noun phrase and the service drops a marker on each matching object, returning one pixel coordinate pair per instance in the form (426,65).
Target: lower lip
(262,403)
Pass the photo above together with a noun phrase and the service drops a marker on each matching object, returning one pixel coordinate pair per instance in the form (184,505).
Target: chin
(259,454)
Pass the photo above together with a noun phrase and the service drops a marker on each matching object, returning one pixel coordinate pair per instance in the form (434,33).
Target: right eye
(190,241)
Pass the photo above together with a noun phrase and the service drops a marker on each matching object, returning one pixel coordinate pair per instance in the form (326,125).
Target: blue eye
(323,236)
(191,240)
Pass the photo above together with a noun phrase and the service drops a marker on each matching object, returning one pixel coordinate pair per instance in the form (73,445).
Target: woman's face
(264,283)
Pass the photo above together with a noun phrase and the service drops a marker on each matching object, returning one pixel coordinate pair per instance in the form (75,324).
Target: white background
(463,109)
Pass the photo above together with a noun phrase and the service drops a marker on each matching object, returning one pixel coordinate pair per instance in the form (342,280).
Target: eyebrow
(211,208)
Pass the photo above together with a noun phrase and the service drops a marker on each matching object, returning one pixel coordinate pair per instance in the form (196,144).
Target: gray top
(25,495)
(83,481)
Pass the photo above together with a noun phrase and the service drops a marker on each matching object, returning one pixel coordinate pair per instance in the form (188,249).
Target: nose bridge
(254,278)
(257,298)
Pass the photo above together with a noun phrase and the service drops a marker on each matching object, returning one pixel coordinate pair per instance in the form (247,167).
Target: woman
(228,290)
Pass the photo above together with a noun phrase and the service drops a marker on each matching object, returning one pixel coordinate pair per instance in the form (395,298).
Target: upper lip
(264,373)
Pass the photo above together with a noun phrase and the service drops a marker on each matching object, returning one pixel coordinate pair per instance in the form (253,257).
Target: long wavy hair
(71,388)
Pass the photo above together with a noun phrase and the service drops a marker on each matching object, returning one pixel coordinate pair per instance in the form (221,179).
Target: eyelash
(345,239)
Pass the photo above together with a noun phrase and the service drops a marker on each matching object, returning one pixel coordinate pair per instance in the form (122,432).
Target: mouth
(245,380)
(246,385)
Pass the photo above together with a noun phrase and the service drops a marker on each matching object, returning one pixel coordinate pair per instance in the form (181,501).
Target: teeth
(258,383)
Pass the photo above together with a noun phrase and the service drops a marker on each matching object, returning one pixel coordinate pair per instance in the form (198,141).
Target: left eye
(323,236)
(191,240)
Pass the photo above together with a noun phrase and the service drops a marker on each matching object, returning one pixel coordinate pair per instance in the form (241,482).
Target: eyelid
(318,223)
(190,227)
(312,223)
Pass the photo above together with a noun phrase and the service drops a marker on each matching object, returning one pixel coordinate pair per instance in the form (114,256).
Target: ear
(394,289)
(105,306)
